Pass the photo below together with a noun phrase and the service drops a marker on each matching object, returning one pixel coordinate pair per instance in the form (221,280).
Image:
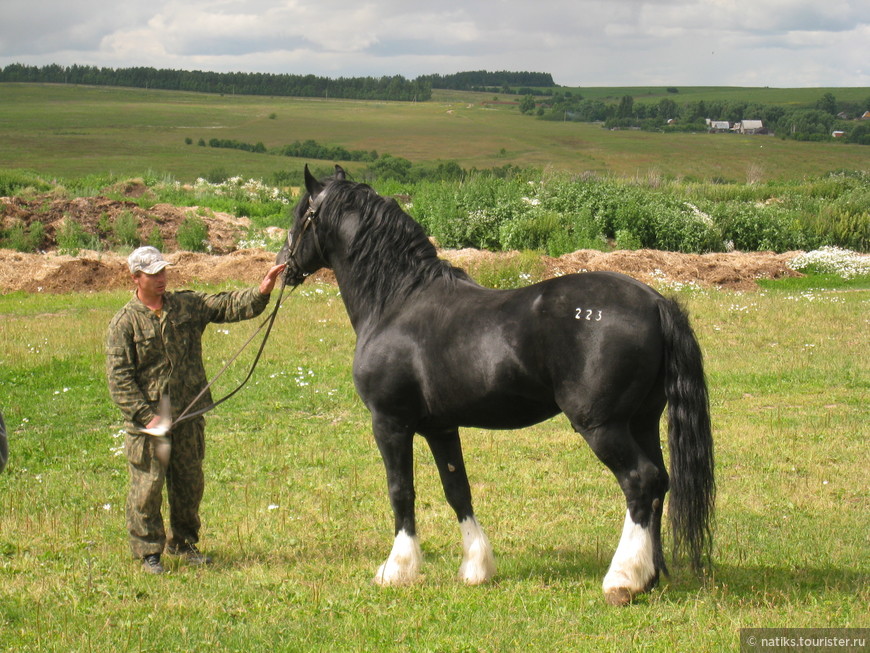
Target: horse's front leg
(478,563)
(395,443)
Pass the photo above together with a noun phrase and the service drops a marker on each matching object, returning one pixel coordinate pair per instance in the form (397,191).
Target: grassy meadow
(296,512)
(70,131)
(297,517)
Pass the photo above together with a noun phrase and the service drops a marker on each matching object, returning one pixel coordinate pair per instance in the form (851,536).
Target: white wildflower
(833,260)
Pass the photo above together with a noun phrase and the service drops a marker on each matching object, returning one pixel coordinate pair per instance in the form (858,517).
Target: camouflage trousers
(184,488)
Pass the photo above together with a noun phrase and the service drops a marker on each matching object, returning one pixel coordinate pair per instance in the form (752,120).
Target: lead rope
(185,414)
(310,214)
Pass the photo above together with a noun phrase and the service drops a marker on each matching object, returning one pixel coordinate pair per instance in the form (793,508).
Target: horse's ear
(340,173)
(311,184)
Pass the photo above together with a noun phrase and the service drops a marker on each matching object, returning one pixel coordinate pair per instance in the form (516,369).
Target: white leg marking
(478,563)
(632,566)
(403,565)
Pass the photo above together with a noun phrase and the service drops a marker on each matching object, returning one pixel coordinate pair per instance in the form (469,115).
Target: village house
(748,127)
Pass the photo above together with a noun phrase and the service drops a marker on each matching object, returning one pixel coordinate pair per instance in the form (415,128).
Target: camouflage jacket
(147,355)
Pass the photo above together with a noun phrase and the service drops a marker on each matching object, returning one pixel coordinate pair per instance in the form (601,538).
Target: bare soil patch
(93,271)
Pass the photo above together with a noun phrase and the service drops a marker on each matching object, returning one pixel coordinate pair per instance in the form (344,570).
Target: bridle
(308,221)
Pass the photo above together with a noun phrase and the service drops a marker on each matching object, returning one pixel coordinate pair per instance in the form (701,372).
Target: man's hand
(268,282)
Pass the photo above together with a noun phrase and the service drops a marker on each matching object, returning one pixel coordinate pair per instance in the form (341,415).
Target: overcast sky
(784,43)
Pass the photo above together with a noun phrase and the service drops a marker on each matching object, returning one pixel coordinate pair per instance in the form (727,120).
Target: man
(154,352)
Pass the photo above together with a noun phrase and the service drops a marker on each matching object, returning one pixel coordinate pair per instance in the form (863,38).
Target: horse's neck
(356,303)
(367,300)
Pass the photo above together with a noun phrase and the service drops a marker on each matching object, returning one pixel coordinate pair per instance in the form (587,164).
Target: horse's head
(302,252)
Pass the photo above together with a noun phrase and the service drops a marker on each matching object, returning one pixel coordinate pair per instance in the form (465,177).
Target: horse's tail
(690,438)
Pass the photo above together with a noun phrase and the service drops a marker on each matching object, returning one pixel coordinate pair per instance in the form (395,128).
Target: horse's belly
(495,413)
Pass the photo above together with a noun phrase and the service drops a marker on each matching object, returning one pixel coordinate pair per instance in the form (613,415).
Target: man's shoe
(191,554)
(151,564)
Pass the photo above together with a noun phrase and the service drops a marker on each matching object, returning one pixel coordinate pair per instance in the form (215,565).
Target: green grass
(297,517)
(810,282)
(70,131)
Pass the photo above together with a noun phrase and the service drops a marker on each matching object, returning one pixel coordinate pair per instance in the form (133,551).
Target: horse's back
(497,358)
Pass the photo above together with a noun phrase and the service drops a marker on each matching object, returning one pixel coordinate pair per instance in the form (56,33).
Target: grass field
(69,131)
(297,517)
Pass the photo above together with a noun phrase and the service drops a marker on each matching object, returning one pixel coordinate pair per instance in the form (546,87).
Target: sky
(778,43)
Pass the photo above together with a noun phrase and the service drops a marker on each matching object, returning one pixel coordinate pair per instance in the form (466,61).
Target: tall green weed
(192,234)
(24,238)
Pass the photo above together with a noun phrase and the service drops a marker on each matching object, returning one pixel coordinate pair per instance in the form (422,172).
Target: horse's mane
(390,253)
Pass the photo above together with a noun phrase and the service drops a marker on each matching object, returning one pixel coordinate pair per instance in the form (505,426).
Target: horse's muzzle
(293,275)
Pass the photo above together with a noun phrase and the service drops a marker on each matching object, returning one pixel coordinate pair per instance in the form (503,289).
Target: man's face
(151,284)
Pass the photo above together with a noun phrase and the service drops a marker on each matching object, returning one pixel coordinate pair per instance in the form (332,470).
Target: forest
(395,88)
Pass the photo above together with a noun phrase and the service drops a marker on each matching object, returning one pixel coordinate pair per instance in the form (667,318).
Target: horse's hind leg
(395,443)
(645,431)
(636,564)
(478,563)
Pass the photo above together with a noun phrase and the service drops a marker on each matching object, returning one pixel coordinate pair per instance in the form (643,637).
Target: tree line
(504,81)
(393,87)
(309,149)
(813,122)
(354,88)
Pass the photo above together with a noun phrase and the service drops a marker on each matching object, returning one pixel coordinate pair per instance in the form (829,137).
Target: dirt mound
(93,271)
(732,270)
(97,216)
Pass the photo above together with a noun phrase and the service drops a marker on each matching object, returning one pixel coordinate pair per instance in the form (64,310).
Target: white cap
(146,259)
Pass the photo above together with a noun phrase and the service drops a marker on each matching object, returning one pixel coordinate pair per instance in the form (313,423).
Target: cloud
(581,42)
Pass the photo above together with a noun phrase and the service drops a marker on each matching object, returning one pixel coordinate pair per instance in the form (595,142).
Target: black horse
(436,351)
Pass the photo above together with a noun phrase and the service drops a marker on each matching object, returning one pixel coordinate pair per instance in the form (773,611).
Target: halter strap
(309,217)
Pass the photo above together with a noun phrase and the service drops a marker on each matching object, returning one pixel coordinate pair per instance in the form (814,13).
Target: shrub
(515,272)
(843,218)
(72,238)
(530,231)
(155,239)
(761,227)
(23,238)
(659,221)
(217,175)
(125,230)
(625,239)
(468,213)
(13,182)
(192,234)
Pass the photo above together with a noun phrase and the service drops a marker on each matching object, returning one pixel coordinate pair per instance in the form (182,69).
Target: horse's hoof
(619,596)
(474,578)
(391,576)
